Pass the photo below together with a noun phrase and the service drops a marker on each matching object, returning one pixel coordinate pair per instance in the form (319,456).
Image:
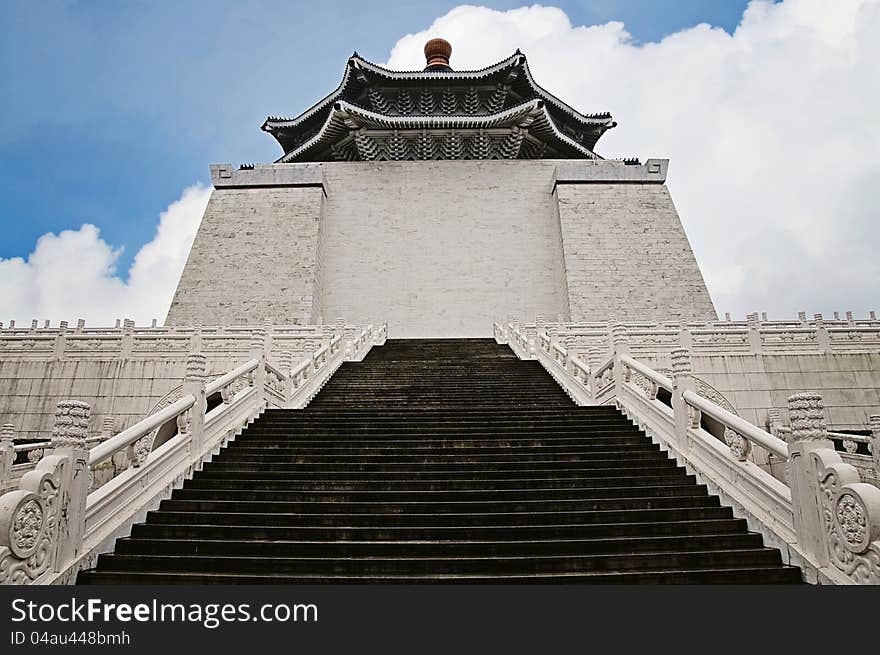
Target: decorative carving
(852,521)
(850,446)
(71,424)
(618,335)
(739,445)
(426,102)
(496,101)
(643,383)
(712,394)
(396,146)
(448,102)
(453,146)
(379,102)
(510,145)
(405,103)
(851,513)
(27,525)
(681,363)
(471,104)
(807,416)
(479,146)
(31,513)
(141,449)
(367,148)
(426,146)
(196,367)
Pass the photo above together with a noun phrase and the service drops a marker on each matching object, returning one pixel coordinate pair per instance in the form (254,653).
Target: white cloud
(73,274)
(773,133)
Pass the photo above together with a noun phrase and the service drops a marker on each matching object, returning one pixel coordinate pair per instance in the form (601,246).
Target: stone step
(715,575)
(378,532)
(403,548)
(461,519)
(684,488)
(669,560)
(202,481)
(433,507)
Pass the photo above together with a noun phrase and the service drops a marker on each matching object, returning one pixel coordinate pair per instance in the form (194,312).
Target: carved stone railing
(752,336)
(825,520)
(51,526)
(127,341)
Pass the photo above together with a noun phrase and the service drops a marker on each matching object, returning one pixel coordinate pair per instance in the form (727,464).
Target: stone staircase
(441,461)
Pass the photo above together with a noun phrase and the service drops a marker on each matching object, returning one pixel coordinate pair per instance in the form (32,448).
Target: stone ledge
(652,171)
(226,176)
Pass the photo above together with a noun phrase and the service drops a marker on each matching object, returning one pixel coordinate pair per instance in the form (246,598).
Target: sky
(113,111)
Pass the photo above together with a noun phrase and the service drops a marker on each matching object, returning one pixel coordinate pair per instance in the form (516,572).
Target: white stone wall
(253,258)
(627,255)
(440,248)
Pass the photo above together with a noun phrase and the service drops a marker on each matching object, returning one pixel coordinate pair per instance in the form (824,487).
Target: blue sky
(110,109)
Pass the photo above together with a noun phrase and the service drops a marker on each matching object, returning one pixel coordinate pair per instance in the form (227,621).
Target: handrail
(139,430)
(276,372)
(35,445)
(660,380)
(299,368)
(742,427)
(228,378)
(604,367)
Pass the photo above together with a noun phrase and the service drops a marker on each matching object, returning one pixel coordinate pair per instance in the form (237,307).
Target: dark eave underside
(532,118)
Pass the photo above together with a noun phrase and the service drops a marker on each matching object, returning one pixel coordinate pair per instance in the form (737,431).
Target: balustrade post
(774,423)
(595,361)
(7,450)
(258,351)
(127,338)
(60,342)
(822,341)
(193,420)
(874,444)
(285,363)
(685,416)
(809,433)
(69,445)
(195,340)
(326,335)
(269,327)
(685,338)
(569,344)
(619,346)
(756,346)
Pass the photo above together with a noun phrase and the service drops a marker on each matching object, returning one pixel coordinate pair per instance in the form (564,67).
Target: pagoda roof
(345,117)
(365,84)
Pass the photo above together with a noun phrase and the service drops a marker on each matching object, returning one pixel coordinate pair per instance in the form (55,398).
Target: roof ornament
(437,53)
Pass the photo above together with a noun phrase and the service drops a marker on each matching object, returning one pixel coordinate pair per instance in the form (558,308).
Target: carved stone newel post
(43,521)
(194,383)
(258,351)
(685,416)
(808,434)
(595,361)
(7,450)
(874,445)
(847,540)
(620,346)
